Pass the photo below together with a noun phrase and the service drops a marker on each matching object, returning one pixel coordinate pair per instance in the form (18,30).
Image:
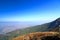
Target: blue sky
(29,10)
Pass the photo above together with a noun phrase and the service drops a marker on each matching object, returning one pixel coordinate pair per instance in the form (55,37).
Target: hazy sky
(29,10)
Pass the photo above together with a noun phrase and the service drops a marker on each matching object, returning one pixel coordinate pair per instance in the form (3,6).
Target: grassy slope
(37,35)
(38,28)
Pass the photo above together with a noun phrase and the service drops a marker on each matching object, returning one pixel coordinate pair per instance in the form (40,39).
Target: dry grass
(36,35)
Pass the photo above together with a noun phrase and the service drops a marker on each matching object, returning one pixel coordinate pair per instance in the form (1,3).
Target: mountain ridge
(51,26)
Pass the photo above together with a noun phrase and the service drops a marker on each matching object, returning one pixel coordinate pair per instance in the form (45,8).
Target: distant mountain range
(52,26)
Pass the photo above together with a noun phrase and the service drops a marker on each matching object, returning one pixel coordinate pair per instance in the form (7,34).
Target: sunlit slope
(38,28)
(52,26)
(36,35)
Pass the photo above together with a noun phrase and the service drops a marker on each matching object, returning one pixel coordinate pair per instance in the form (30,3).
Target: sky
(29,10)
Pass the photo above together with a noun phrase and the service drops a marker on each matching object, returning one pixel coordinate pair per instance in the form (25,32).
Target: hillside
(39,28)
(52,26)
(55,25)
(39,36)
